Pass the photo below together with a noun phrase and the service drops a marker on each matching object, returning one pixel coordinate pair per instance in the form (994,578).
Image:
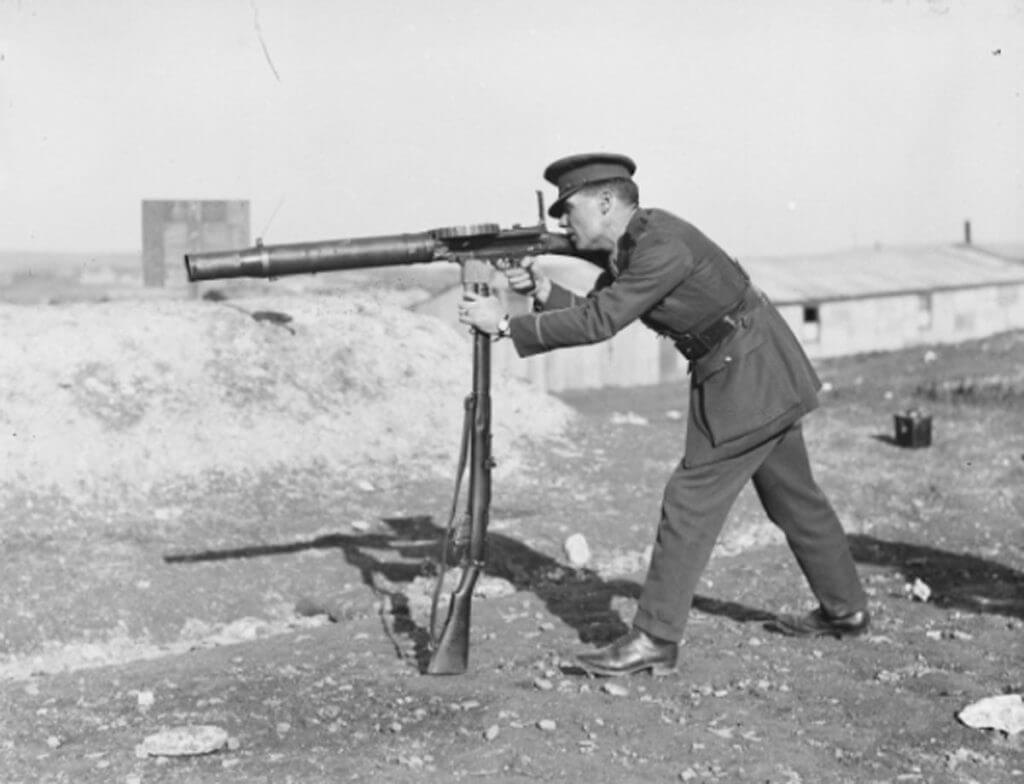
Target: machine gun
(480,242)
(475,248)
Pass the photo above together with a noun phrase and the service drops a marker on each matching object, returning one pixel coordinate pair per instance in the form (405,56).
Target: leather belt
(695,344)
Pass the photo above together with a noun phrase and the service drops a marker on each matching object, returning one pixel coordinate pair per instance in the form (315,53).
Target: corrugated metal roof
(862,273)
(1008,250)
(851,274)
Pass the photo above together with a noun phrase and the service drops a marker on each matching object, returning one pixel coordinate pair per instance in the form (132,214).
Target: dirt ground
(289,609)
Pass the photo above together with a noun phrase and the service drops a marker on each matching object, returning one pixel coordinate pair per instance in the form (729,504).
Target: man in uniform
(750,385)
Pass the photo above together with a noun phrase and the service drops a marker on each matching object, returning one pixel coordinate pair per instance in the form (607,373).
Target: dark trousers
(696,503)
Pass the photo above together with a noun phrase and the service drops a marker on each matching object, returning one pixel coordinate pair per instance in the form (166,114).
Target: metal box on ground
(913,429)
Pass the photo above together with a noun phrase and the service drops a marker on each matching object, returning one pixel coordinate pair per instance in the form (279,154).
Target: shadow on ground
(957,580)
(410,548)
(389,561)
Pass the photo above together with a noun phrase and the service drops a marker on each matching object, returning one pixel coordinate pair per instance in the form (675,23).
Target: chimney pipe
(967,232)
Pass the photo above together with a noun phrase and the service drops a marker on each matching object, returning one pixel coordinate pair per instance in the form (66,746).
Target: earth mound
(116,399)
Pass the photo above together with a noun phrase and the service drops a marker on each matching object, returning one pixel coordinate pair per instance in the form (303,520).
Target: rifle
(475,248)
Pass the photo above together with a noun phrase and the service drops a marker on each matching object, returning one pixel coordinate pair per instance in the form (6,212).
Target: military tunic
(748,393)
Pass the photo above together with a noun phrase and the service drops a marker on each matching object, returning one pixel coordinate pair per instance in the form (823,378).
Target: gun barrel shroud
(458,245)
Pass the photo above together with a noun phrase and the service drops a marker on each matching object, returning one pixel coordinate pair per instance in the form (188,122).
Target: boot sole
(657,670)
(790,631)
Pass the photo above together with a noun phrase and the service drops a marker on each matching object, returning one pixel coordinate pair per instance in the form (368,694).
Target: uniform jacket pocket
(738,389)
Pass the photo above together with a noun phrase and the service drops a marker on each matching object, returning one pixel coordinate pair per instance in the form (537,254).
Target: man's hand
(482,313)
(526,280)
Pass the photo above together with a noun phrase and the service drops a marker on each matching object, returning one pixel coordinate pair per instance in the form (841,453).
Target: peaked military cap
(575,171)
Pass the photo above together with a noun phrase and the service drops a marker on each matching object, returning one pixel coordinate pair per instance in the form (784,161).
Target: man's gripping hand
(484,313)
(525,279)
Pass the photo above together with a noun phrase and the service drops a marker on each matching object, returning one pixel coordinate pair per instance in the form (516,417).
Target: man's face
(583,219)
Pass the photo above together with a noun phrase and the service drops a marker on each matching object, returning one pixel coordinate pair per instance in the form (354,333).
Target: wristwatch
(503,327)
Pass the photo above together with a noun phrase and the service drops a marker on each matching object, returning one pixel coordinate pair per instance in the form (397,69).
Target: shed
(882,299)
(849,302)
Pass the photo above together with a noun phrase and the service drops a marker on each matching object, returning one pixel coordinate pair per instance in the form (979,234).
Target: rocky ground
(287,605)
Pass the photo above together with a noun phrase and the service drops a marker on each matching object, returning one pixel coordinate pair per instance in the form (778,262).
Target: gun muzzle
(272,261)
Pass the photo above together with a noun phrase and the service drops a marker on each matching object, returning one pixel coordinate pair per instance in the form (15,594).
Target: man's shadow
(957,580)
(389,561)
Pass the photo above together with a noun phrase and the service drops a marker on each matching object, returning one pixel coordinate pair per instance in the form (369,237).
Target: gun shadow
(958,580)
(389,562)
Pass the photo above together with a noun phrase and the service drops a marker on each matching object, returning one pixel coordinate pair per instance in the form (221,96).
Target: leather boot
(818,623)
(633,652)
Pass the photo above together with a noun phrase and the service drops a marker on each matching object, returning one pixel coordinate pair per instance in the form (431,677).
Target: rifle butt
(451,655)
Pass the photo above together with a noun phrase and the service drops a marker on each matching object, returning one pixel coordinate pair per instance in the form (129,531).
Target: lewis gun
(476,248)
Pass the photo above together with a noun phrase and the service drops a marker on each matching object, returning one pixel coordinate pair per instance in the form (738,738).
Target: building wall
(631,358)
(636,356)
(887,323)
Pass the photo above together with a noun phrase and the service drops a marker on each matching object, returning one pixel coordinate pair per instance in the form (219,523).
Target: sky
(776,126)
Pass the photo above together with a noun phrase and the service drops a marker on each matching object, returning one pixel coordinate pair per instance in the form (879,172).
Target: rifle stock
(451,649)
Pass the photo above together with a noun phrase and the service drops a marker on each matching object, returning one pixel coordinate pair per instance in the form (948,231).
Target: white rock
(91,652)
(629,418)
(615,689)
(493,588)
(247,628)
(577,550)
(184,741)
(1004,712)
(920,590)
